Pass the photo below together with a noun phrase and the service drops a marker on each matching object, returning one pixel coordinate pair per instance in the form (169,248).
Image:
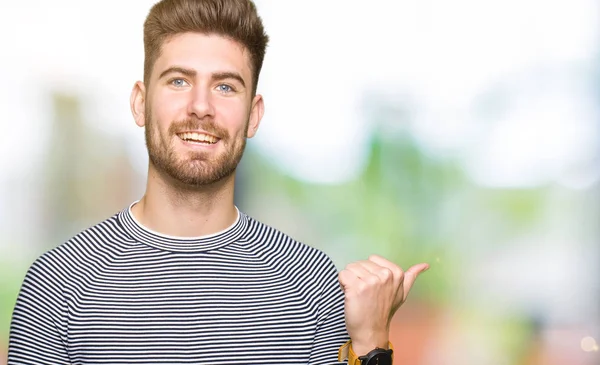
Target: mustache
(193,124)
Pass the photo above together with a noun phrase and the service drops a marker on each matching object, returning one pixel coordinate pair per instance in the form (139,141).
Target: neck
(172,209)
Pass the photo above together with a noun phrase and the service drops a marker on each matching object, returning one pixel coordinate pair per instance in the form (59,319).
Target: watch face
(380,359)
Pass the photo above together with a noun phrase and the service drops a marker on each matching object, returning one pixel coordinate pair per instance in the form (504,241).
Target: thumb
(411,275)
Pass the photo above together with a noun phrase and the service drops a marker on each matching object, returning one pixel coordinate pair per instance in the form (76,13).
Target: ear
(256,114)
(137,102)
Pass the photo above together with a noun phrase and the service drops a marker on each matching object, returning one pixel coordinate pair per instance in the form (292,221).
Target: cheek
(167,108)
(233,116)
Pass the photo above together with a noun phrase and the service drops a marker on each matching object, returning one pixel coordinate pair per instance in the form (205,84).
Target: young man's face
(198,108)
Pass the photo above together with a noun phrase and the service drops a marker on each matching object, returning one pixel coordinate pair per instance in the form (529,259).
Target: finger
(395,269)
(346,278)
(381,261)
(359,270)
(411,275)
(382,272)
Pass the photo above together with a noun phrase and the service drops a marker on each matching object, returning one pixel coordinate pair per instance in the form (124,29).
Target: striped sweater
(119,293)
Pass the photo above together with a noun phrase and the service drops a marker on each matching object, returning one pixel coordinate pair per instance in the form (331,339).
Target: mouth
(198,138)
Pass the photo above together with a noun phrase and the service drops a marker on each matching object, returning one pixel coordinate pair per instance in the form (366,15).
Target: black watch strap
(377,357)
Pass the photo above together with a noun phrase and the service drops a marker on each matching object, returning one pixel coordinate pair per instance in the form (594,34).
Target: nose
(200,103)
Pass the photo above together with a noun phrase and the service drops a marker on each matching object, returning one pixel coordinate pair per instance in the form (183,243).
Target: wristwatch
(378,356)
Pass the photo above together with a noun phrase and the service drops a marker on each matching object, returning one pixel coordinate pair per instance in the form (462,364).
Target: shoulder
(281,248)
(80,251)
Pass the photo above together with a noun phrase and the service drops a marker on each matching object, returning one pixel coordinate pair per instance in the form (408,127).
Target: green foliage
(11,276)
(406,206)
(392,209)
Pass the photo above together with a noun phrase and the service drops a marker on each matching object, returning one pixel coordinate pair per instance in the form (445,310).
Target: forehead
(205,53)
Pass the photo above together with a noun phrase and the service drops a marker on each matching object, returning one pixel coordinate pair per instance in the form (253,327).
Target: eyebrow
(176,69)
(217,76)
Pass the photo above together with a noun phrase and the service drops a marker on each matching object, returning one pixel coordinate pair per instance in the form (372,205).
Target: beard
(194,168)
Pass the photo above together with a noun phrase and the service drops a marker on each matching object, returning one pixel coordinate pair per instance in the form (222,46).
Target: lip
(200,131)
(198,145)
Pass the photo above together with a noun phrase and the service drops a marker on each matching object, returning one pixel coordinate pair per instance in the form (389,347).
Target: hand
(374,289)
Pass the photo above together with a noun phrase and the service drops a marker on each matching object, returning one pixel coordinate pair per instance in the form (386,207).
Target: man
(182,276)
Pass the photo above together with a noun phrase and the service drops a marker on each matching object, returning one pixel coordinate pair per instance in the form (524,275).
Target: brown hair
(234,19)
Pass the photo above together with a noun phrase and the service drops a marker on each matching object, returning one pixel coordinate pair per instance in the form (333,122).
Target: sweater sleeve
(38,325)
(331,331)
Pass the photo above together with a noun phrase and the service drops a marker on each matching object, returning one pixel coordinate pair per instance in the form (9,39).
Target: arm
(331,331)
(38,326)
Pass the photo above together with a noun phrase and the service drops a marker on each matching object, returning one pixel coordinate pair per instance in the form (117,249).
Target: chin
(204,178)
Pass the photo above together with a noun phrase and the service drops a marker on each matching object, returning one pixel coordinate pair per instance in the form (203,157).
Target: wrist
(362,347)
(382,355)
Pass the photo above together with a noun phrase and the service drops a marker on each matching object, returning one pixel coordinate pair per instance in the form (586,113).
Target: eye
(224,88)
(178,82)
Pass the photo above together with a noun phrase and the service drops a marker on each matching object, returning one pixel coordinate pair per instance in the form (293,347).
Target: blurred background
(462,133)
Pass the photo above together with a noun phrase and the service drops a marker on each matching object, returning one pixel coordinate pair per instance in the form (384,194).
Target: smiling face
(198,108)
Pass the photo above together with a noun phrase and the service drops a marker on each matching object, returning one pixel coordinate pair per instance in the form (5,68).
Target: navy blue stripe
(118,293)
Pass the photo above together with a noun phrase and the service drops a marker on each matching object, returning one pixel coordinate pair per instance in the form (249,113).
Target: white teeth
(198,137)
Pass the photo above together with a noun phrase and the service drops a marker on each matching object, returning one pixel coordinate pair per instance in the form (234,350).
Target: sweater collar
(182,244)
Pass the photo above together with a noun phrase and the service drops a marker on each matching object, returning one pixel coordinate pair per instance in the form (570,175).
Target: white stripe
(247,295)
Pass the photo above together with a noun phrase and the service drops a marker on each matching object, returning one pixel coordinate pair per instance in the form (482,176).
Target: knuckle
(398,272)
(372,280)
(361,287)
(345,276)
(385,273)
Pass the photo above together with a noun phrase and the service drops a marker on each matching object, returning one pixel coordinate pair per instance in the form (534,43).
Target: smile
(198,138)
